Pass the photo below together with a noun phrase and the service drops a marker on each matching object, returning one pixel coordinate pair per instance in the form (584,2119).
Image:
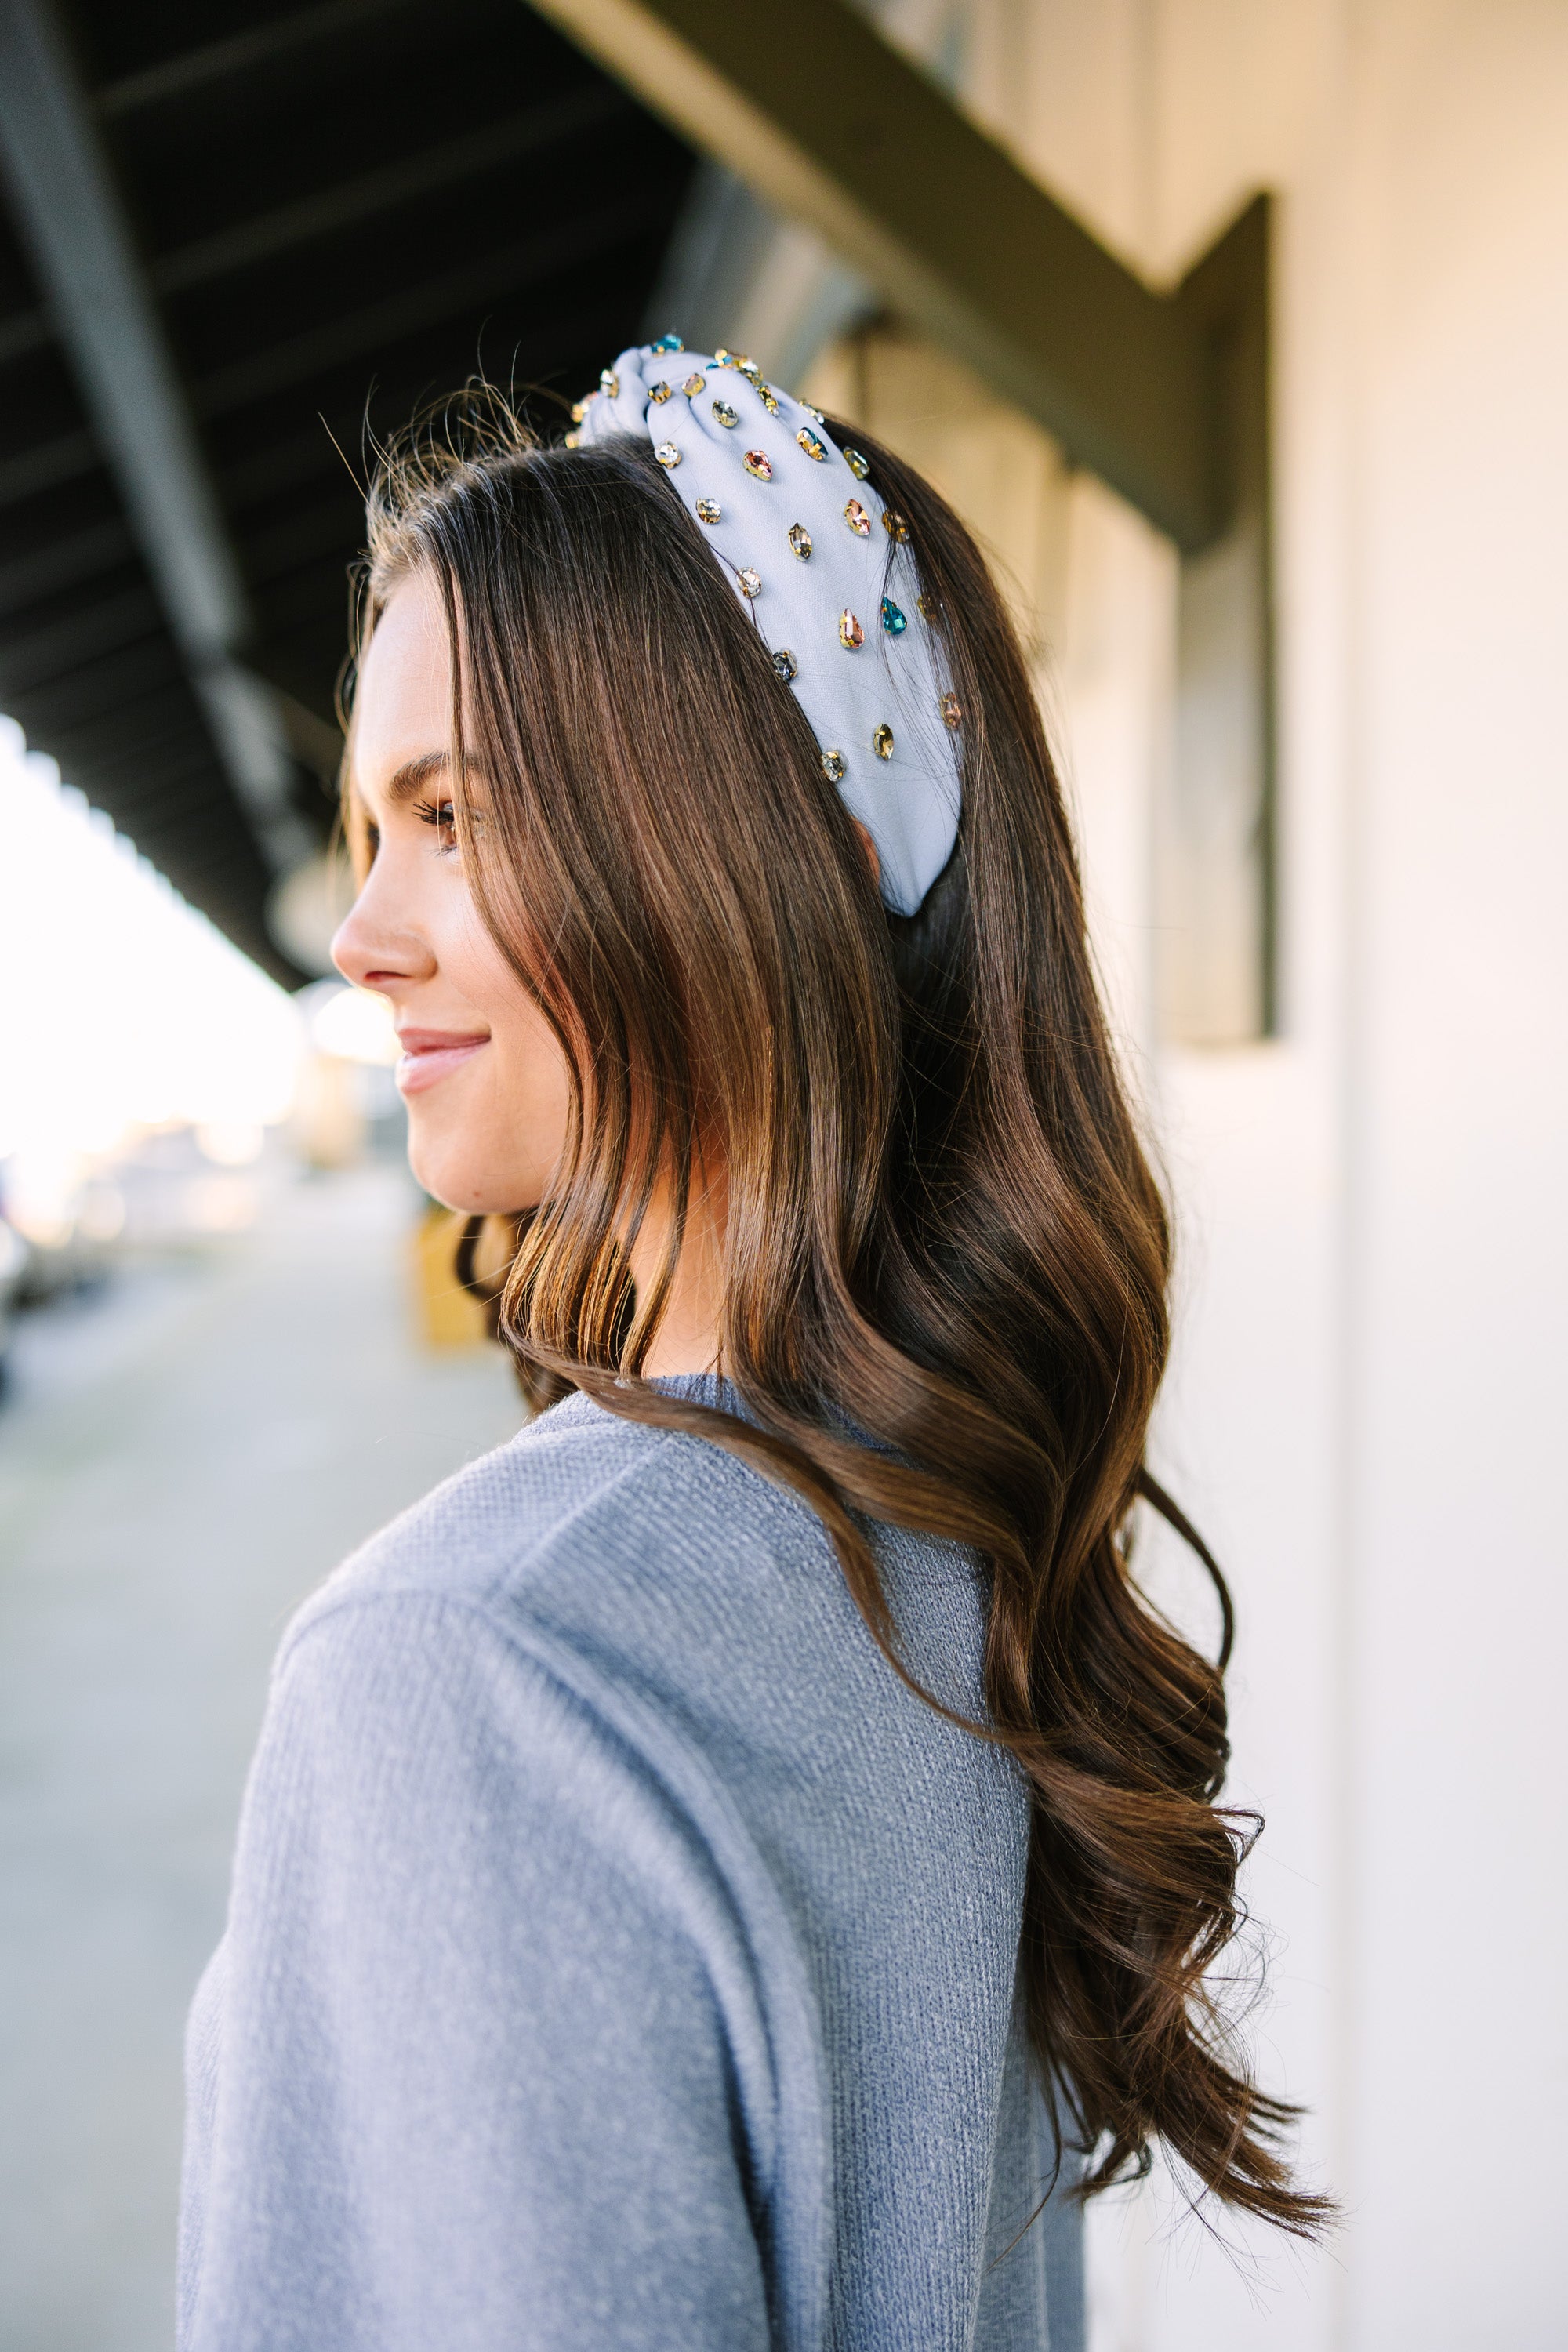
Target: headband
(825,572)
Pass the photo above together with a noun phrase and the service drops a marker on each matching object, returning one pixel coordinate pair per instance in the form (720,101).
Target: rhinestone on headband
(894,525)
(857,464)
(609,383)
(787,665)
(751,582)
(893,620)
(658,394)
(800,540)
(926,607)
(859,520)
(810,444)
(725,414)
(692,386)
(851,636)
(833,767)
(758,463)
(708,510)
(951,711)
(882,742)
(667,454)
(578,410)
(667,343)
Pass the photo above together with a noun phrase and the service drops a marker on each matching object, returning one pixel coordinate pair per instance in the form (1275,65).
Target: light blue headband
(825,571)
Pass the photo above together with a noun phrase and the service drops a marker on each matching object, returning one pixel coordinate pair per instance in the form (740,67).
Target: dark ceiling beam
(506,274)
(350,202)
(193,69)
(808,105)
(67,206)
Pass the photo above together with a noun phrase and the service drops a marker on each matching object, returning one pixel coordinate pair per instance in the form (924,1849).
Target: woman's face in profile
(482,1073)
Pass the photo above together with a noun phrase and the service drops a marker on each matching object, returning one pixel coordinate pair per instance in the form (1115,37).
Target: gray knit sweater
(619,1956)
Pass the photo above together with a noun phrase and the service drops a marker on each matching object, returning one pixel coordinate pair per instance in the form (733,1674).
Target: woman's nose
(372,947)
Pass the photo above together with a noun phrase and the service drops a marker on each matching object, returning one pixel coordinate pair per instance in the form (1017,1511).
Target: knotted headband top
(825,572)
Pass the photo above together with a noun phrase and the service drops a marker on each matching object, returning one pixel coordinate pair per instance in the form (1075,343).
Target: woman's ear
(869,846)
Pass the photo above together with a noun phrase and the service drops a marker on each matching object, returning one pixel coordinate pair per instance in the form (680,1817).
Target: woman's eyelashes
(438,815)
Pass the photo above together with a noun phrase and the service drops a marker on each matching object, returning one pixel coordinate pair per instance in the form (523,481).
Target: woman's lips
(430,1055)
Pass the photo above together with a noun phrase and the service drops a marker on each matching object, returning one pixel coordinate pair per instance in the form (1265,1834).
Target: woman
(733,1868)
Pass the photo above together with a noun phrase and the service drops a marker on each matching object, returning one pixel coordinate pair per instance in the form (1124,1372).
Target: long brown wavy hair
(942,1231)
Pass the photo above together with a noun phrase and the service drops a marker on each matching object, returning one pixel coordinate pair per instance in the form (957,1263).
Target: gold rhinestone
(574,441)
(609,383)
(721,358)
(851,636)
(725,414)
(758,463)
(751,582)
(894,525)
(859,520)
(814,411)
(833,767)
(951,711)
(708,510)
(787,665)
(692,386)
(667,454)
(882,742)
(926,607)
(800,540)
(857,464)
(658,394)
(769,398)
(578,410)
(810,444)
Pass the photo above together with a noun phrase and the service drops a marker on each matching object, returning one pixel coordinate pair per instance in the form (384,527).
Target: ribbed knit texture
(619,1956)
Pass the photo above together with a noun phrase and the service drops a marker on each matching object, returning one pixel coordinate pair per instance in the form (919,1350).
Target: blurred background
(1237,329)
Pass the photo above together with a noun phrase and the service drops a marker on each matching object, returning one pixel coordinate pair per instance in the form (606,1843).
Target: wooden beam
(812,109)
(69,209)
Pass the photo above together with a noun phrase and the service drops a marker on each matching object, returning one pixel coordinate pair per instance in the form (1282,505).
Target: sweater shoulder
(567,1520)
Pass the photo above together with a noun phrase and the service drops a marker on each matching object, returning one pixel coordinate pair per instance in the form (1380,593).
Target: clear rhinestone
(725,414)
(658,394)
(769,398)
(810,444)
(857,464)
(800,540)
(693,385)
(859,520)
(851,636)
(609,383)
(751,583)
(708,510)
(882,742)
(787,665)
(574,441)
(578,410)
(757,462)
(814,411)
(833,767)
(667,454)
(951,711)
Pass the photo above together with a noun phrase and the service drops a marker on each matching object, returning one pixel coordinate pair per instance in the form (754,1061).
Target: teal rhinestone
(667,343)
(893,621)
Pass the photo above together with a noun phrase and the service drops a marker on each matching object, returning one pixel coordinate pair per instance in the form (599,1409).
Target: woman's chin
(450,1177)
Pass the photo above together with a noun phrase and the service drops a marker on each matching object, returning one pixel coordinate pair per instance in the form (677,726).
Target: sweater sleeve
(467,2073)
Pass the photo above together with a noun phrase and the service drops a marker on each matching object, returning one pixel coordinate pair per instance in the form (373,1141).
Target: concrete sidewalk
(180,1462)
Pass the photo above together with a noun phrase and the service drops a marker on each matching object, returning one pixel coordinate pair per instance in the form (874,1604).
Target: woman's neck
(689,1337)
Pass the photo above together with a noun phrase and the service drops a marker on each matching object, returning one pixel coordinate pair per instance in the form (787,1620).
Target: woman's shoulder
(580,1518)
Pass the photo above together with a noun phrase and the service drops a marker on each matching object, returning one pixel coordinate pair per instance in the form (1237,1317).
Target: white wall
(1366,1406)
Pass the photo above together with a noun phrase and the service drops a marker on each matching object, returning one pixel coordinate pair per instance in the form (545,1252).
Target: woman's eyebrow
(414,775)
